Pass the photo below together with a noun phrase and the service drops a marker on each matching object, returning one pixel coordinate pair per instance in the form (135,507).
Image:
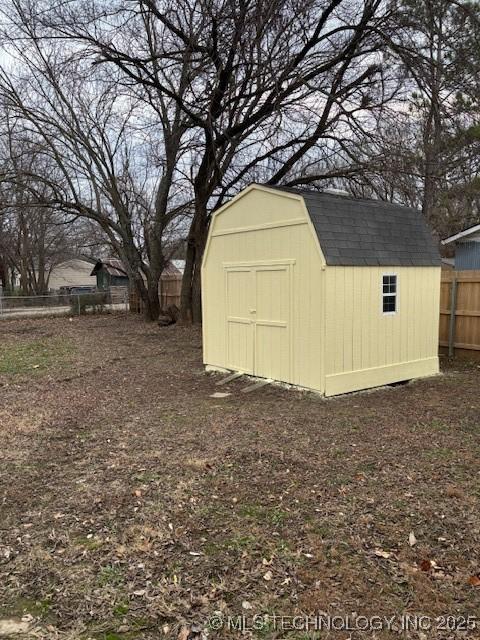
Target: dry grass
(134,505)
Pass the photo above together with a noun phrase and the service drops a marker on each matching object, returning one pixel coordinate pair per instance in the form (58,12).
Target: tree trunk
(4,276)
(24,280)
(433,128)
(429,186)
(150,298)
(197,278)
(191,296)
(152,306)
(186,292)
(39,280)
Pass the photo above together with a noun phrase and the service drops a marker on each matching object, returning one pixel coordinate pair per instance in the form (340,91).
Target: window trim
(383,295)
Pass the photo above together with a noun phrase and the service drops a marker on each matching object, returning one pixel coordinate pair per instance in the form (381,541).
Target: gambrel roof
(360,232)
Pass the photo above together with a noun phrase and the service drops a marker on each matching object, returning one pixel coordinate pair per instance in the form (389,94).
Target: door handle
(253,310)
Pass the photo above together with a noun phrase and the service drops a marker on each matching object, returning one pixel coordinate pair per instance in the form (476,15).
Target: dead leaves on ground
(423,564)
(455,492)
(199,464)
(149,481)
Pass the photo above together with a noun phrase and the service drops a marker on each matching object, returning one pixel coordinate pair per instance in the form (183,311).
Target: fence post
(453,311)
(78,304)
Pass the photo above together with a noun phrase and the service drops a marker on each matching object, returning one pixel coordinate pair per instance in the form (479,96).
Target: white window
(389,293)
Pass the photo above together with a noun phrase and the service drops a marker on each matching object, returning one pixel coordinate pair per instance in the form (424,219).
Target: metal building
(467,248)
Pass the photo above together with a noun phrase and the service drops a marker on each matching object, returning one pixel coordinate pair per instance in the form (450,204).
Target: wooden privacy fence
(460,313)
(118,295)
(169,291)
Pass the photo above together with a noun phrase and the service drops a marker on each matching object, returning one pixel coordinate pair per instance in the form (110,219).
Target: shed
(321,291)
(467,248)
(110,273)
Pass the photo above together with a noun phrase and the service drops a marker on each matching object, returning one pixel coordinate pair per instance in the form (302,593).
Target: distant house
(112,273)
(467,248)
(109,273)
(72,273)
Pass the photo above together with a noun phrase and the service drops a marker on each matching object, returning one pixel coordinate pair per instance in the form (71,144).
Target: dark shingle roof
(113,266)
(354,231)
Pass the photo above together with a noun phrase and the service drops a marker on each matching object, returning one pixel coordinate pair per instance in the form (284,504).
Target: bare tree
(32,239)
(284,92)
(267,85)
(438,44)
(93,134)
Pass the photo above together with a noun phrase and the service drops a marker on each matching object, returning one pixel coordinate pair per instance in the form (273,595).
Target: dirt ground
(135,505)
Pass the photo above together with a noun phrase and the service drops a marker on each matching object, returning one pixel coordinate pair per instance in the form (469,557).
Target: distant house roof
(170,269)
(85,258)
(179,265)
(471,233)
(113,266)
(65,259)
(354,231)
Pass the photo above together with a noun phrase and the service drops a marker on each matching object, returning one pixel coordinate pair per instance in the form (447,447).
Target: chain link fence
(70,304)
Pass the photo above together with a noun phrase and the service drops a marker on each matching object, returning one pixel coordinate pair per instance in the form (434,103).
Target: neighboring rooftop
(113,266)
(179,265)
(470,234)
(354,231)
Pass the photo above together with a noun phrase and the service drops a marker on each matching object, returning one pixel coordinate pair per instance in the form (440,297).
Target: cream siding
(72,273)
(366,348)
(269,234)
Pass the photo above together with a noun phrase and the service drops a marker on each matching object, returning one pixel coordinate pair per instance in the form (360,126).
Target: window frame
(384,295)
